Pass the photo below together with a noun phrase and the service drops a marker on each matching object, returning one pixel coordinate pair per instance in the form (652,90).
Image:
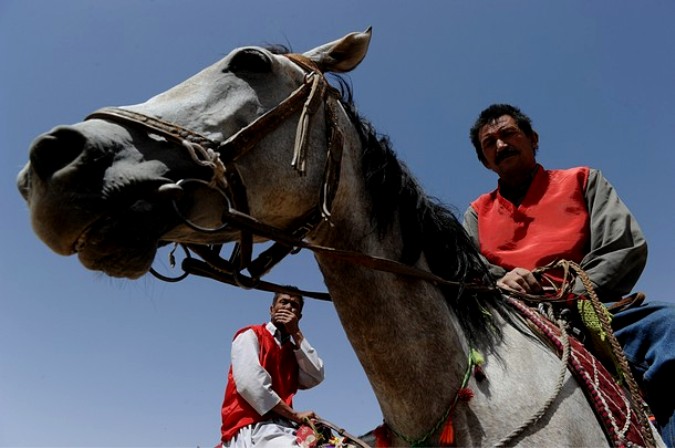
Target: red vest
(282,366)
(551,223)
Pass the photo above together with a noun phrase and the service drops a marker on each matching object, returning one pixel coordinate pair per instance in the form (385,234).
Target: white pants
(275,433)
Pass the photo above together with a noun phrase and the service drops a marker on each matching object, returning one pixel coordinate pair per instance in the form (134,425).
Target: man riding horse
(538,216)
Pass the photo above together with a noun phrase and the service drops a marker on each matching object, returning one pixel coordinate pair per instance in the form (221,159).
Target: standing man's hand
(286,312)
(288,319)
(520,280)
(310,415)
(285,411)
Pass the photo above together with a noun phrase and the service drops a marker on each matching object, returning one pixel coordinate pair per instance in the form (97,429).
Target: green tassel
(476,357)
(597,337)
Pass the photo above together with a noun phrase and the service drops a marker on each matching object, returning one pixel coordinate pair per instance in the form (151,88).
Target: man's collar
(271,328)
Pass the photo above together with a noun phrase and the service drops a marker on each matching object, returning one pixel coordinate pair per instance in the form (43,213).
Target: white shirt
(253,382)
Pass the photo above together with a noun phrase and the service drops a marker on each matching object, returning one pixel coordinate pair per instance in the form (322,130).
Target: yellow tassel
(448,434)
(476,357)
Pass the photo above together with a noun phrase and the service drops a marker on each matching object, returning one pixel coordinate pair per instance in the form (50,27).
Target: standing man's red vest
(280,363)
(551,223)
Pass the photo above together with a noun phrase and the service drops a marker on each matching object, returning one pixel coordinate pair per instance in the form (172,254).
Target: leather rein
(221,158)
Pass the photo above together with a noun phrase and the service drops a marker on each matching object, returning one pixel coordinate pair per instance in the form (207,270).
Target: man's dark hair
(491,114)
(291,291)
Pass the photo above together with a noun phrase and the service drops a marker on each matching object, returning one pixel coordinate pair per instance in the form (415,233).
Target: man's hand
(289,413)
(520,280)
(301,416)
(288,319)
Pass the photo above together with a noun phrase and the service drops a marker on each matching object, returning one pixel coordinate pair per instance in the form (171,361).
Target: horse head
(113,187)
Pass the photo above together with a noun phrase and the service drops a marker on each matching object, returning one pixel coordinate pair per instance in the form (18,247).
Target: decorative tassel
(477,360)
(465,394)
(381,434)
(448,434)
(478,373)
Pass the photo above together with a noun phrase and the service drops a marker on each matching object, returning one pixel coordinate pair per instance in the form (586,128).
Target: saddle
(618,415)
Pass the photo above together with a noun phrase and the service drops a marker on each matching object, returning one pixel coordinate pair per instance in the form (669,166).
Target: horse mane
(428,227)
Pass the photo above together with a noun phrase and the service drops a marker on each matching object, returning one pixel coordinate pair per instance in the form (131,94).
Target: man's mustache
(504,153)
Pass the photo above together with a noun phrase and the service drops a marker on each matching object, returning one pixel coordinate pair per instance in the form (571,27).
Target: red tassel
(382,436)
(448,434)
(478,373)
(465,394)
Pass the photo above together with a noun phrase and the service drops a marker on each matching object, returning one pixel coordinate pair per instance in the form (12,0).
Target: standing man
(536,216)
(270,362)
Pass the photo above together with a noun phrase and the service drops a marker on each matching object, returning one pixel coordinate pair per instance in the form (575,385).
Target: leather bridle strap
(249,136)
(232,148)
(168,130)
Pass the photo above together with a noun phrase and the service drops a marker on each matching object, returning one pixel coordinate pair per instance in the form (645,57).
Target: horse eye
(251,61)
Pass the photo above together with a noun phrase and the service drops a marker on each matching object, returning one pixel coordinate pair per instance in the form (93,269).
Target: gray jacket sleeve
(618,249)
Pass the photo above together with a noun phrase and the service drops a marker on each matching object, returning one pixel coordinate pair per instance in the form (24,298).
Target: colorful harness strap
(447,437)
(612,407)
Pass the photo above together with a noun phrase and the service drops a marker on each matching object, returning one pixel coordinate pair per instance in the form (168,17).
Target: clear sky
(86,360)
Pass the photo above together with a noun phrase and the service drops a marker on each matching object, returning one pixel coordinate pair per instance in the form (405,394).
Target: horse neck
(408,342)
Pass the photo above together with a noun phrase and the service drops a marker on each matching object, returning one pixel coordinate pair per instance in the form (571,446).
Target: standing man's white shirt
(254,384)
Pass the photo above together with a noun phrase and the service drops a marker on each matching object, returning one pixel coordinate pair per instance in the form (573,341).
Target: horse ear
(342,55)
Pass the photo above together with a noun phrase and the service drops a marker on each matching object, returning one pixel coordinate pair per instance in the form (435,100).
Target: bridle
(221,158)
(225,178)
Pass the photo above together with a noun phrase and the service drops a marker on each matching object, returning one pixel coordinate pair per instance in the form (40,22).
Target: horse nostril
(23,183)
(51,152)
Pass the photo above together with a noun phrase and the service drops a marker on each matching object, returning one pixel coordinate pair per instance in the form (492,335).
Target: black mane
(428,227)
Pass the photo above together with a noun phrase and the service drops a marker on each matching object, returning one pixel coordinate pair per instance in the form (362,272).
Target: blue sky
(86,360)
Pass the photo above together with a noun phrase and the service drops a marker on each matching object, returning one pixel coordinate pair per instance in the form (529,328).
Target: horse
(261,147)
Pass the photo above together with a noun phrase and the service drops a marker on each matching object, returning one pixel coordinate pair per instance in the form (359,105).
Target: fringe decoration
(465,394)
(448,434)
(447,437)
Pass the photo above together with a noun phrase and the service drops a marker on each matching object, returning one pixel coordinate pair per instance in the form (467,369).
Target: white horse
(310,172)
